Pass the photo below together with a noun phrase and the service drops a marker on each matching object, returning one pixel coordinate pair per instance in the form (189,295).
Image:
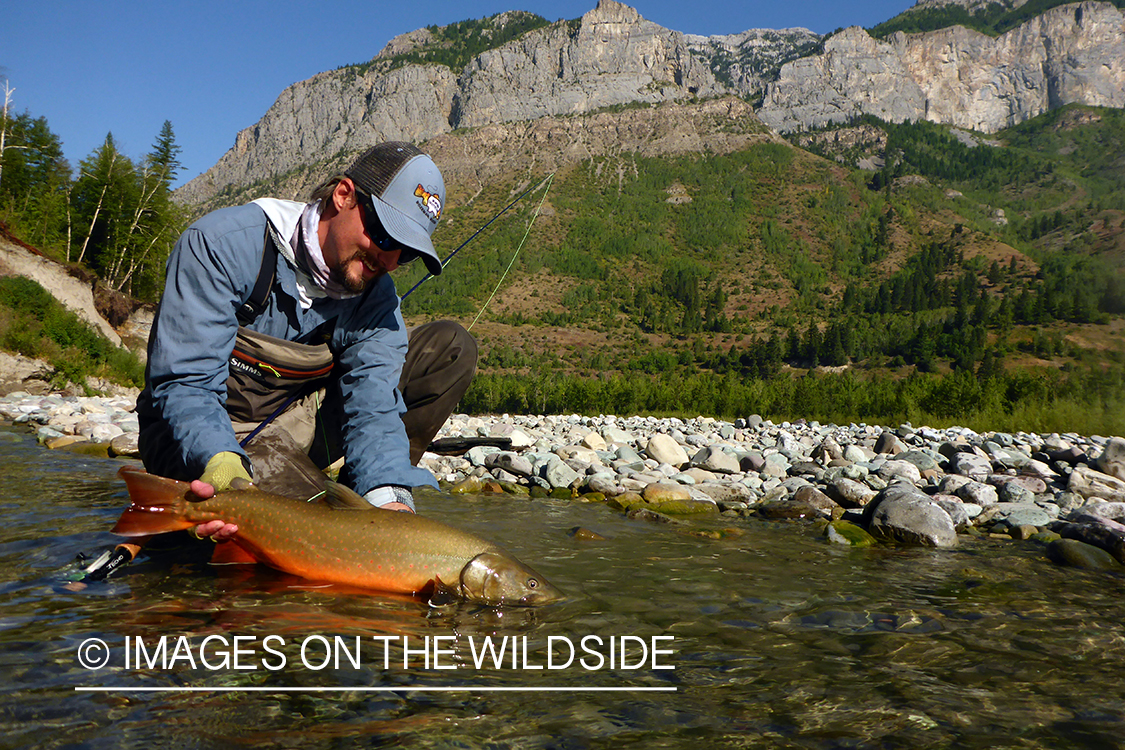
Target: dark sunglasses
(379,235)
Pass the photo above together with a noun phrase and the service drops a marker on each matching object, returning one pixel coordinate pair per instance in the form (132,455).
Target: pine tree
(34,190)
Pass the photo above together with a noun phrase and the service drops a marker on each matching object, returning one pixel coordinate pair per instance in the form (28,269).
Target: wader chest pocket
(265,371)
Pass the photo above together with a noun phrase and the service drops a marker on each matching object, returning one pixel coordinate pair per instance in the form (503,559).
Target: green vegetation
(1033,402)
(456,44)
(770,264)
(969,280)
(116,217)
(35,324)
(995,19)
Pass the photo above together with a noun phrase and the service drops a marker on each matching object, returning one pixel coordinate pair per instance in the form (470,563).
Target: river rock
(956,510)
(593,441)
(978,493)
(510,462)
(1089,482)
(559,475)
(666,450)
(716,460)
(1014,492)
(788,509)
(126,445)
(616,437)
(849,534)
(752,461)
(650,515)
(850,494)
(889,443)
(903,514)
(922,459)
(1110,539)
(583,534)
(895,469)
(727,493)
(1110,511)
(970,465)
(1076,554)
(1112,459)
(1020,514)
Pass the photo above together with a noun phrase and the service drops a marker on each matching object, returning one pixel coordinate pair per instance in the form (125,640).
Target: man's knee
(442,346)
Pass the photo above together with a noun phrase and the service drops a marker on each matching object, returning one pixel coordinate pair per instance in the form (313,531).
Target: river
(716,633)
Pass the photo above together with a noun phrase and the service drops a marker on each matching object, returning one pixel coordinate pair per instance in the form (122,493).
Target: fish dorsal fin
(339,497)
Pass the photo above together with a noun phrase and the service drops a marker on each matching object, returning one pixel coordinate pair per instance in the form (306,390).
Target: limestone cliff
(1071,53)
(613,57)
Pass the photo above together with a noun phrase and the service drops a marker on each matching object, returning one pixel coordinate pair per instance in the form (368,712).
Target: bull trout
(345,541)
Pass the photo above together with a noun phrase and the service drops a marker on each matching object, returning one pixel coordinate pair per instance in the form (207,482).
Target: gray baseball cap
(407,192)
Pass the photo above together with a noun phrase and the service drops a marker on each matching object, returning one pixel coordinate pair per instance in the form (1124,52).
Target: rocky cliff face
(752,59)
(613,56)
(1072,53)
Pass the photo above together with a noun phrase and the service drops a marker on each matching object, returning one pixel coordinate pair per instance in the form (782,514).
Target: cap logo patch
(430,203)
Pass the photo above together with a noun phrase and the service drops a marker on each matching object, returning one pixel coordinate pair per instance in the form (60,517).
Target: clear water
(778,639)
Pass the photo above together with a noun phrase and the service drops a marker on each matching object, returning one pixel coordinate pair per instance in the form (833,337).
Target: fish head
(498,579)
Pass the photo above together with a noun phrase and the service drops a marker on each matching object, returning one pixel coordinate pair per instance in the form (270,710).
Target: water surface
(777,639)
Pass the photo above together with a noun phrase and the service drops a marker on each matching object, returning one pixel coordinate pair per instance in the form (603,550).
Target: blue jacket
(211,272)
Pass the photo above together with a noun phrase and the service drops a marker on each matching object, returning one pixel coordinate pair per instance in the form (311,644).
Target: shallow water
(775,639)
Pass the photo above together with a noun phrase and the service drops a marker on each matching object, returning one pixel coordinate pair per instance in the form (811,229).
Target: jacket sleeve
(209,274)
(371,355)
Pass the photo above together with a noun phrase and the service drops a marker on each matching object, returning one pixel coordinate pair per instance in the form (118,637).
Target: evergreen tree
(101,197)
(34,178)
(813,343)
(126,220)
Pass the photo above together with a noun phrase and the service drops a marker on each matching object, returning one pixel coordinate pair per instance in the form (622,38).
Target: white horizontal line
(360,689)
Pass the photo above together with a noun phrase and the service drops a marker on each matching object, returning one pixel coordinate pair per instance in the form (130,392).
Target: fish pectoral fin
(442,594)
(231,553)
(239,483)
(339,497)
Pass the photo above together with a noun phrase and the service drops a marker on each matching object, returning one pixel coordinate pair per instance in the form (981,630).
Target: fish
(343,540)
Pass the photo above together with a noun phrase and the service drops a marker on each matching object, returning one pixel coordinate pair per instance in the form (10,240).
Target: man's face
(352,257)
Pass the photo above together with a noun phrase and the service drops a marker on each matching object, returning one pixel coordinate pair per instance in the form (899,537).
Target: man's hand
(217,531)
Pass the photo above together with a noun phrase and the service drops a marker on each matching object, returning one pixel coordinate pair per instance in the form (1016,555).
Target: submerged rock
(1076,554)
(847,533)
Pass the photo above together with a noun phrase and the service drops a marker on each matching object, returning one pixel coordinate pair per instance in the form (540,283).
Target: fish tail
(158,504)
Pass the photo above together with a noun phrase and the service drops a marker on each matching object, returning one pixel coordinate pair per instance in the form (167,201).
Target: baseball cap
(407,193)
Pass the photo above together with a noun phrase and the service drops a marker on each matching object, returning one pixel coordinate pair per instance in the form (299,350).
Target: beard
(346,276)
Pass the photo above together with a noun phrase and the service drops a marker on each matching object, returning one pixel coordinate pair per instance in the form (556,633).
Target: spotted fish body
(372,549)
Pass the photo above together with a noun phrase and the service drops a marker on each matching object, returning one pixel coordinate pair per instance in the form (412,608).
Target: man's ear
(343,195)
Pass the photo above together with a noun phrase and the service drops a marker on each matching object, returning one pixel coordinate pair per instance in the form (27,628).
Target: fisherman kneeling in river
(279,345)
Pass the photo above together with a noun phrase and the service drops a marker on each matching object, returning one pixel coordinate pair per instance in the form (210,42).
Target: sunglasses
(379,234)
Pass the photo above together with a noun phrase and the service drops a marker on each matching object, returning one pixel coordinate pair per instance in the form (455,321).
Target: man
(251,290)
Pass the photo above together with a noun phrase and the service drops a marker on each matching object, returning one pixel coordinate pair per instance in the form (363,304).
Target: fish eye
(532,583)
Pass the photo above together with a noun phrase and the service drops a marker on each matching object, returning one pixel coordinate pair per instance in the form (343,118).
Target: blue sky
(213,68)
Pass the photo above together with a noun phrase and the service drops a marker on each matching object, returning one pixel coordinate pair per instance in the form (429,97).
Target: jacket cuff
(380,496)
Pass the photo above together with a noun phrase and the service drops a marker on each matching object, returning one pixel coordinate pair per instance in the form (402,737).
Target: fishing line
(503,211)
(549,180)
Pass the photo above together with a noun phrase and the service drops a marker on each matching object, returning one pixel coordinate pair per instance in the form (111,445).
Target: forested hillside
(998,260)
(874,271)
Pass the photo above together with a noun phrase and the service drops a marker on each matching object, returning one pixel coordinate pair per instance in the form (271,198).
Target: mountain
(521,68)
(957,76)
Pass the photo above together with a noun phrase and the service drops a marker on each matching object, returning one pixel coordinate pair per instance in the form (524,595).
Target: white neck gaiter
(306,248)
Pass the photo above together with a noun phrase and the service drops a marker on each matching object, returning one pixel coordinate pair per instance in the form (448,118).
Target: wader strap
(253,306)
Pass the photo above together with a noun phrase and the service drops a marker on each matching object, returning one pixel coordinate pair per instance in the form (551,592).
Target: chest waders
(267,374)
